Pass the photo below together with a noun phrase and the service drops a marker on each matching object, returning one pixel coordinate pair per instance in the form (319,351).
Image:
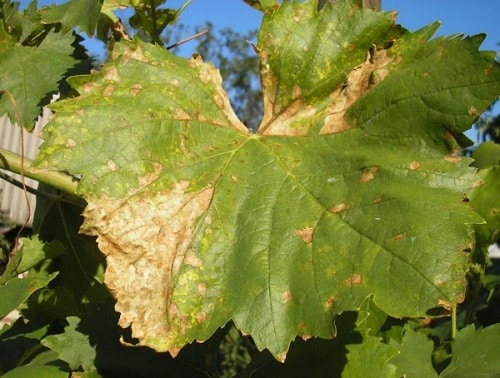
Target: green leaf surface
(487,155)
(83,14)
(262,5)
(415,355)
(349,189)
(36,371)
(15,290)
(486,202)
(35,251)
(31,252)
(73,346)
(352,353)
(32,74)
(19,26)
(475,353)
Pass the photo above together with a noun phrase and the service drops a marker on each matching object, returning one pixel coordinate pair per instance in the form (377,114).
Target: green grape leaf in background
(415,355)
(15,290)
(486,202)
(352,353)
(73,346)
(349,189)
(475,353)
(83,14)
(20,70)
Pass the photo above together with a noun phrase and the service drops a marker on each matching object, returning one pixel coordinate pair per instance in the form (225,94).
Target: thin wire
(199,34)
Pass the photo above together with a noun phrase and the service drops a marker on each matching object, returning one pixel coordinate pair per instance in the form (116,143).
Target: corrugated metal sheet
(13,198)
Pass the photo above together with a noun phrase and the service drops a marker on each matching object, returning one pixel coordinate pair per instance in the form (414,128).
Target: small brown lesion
(335,209)
(306,234)
(286,297)
(355,279)
(368,174)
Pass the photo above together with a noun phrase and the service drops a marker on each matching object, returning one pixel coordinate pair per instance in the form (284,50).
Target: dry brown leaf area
(146,238)
(286,121)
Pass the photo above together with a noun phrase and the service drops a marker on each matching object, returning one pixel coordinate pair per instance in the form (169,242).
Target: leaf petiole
(59,180)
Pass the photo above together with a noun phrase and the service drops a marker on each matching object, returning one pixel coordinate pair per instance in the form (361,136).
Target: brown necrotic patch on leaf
(111,74)
(335,209)
(146,238)
(306,234)
(368,174)
(135,89)
(112,166)
(108,91)
(289,122)
(210,75)
(329,302)
(70,143)
(451,158)
(414,165)
(286,296)
(355,279)
(358,82)
(400,236)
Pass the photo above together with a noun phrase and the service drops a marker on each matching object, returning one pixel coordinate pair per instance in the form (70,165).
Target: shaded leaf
(14,290)
(346,191)
(415,355)
(475,353)
(72,346)
(352,353)
(36,371)
(486,202)
(35,251)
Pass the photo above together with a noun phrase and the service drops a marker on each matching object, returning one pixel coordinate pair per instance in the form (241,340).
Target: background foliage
(361,133)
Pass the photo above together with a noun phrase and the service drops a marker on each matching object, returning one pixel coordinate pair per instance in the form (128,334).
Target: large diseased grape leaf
(349,189)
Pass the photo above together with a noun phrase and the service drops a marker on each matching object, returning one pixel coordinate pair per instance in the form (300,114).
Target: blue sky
(457,16)
(466,17)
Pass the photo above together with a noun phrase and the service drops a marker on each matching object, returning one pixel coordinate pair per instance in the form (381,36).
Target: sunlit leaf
(33,74)
(83,14)
(349,189)
(475,353)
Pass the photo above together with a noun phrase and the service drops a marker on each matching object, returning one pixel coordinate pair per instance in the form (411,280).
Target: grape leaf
(15,290)
(353,353)
(475,353)
(73,346)
(21,68)
(349,189)
(74,13)
(485,201)
(414,358)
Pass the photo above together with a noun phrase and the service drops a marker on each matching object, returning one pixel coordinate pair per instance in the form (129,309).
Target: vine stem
(17,164)
(454,322)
